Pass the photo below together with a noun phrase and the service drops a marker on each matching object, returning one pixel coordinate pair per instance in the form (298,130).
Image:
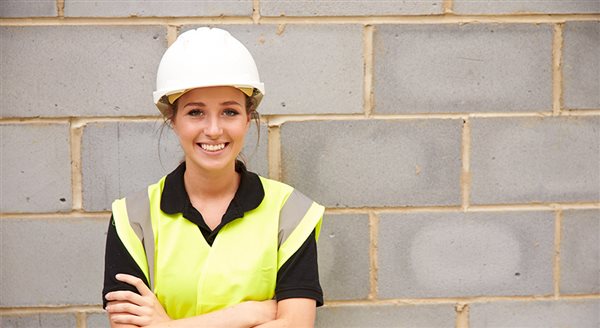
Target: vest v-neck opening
(248,196)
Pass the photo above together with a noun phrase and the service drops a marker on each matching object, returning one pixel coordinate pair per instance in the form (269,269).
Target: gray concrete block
(20,8)
(581,65)
(462,68)
(307,69)
(528,314)
(119,158)
(97,320)
(374,162)
(40,320)
(423,255)
(79,70)
(349,8)
(51,262)
(35,168)
(525,7)
(523,160)
(344,257)
(145,8)
(580,252)
(386,316)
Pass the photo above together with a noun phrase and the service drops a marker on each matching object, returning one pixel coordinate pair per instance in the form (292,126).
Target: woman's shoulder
(143,192)
(274,186)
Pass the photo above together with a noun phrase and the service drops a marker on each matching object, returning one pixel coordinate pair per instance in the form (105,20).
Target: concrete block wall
(455,144)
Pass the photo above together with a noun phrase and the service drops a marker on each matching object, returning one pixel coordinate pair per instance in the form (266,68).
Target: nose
(213,128)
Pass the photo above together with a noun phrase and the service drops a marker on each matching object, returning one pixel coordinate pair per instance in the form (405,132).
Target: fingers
(136,282)
(117,307)
(126,318)
(125,296)
(128,313)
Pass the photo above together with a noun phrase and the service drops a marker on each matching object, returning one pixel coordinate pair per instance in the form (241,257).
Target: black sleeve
(118,260)
(299,276)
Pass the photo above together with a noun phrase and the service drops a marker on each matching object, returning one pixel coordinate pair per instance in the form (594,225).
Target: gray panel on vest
(138,210)
(292,213)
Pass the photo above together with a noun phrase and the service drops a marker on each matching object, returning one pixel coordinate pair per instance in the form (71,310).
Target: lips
(213,147)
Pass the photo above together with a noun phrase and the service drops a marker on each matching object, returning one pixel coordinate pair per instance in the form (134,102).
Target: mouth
(213,148)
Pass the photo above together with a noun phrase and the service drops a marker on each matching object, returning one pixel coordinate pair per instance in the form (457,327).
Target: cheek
(184,132)
(243,130)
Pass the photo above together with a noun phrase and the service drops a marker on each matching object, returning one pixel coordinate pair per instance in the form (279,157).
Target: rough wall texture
(456,145)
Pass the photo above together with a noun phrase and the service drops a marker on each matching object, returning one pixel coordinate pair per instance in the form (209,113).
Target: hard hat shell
(205,57)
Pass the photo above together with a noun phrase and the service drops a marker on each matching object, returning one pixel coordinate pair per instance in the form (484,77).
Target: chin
(212,165)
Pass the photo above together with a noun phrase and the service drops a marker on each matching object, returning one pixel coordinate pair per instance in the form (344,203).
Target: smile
(212,148)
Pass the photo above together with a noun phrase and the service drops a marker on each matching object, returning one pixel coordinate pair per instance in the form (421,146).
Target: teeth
(208,147)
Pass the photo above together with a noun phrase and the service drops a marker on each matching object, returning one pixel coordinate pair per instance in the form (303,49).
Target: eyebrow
(201,104)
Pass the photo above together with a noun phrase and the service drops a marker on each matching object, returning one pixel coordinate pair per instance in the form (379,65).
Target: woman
(212,244)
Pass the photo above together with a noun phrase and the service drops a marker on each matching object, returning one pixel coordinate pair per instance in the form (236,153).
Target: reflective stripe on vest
(139,221)
(138,211)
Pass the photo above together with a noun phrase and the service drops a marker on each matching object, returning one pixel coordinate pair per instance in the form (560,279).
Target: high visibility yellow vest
(188,276)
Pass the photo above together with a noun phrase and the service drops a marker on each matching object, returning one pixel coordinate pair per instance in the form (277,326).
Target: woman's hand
(125,307)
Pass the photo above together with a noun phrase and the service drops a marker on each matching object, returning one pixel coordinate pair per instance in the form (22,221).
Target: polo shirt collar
(248,196)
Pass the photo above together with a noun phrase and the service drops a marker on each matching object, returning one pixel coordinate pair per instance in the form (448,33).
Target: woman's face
(211,124)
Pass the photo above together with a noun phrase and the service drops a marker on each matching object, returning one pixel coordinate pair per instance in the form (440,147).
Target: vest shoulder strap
(291,214)
(138,211)
(298,217)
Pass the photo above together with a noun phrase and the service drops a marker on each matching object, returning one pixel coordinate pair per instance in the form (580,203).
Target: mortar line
(556,264)
(81,319)
(60,8)
(557,77)
(127,21)
(76,138)
(255,11)
(420,19)
(458,208)
(579,112)
(274,152)
(276,119)
(460,300)
(83,120)
(586,112)
(35,120)
(462,315)
(448,6)
(373,255)
(51,309)
(363,20)
(172,33)
(368,101)
(60,215)
(331,303)
(465,177)
(353,210)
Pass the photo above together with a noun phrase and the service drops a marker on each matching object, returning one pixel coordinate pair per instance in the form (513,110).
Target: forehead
(209,94)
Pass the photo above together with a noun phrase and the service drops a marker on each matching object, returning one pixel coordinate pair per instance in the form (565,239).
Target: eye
(231,112)
(195,112)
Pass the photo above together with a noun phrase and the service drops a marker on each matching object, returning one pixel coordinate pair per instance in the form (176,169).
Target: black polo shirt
(297,278)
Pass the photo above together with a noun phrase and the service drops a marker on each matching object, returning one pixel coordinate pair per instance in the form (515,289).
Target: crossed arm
(129,310)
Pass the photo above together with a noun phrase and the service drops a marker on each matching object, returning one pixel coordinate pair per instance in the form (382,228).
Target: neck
(214,184)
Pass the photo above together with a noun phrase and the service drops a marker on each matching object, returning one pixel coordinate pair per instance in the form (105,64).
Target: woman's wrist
(254,313)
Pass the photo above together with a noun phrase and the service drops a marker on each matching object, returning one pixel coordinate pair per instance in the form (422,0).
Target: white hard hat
(205,57)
